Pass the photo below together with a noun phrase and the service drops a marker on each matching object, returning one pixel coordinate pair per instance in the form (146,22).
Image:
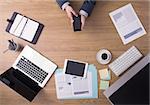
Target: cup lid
(103,56)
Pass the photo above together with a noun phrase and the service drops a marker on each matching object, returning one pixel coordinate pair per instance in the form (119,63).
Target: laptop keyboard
(31,69)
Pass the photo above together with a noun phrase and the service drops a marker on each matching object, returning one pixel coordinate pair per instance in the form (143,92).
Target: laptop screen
(134,91)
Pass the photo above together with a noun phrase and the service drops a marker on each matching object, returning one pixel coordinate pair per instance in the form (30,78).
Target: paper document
(82,86)
(127,23)
(72,86)
(75,87)
(63,85)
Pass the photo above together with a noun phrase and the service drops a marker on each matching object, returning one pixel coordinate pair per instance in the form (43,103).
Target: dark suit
(87,6)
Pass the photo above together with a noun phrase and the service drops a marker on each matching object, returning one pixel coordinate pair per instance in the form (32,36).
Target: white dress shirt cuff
(82,12)
(65,5)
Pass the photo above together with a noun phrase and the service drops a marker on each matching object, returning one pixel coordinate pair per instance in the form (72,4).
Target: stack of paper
(72,87)
(105,77)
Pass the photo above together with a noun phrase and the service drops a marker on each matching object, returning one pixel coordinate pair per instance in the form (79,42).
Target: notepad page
(15,23)
(30,30)
(18,25)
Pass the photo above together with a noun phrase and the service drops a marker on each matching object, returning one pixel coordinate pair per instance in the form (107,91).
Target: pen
(12,40)
(14,44)
(23,28)
(10,43)
(5,50)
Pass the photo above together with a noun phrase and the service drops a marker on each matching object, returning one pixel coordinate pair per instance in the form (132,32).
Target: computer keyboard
(31,69)
(124,61)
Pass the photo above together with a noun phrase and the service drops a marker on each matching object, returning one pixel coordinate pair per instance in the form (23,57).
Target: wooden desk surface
(58,42)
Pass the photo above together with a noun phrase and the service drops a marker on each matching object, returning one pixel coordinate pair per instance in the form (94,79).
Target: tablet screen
(75,68)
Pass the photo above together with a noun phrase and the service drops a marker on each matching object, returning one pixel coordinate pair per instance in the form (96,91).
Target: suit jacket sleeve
(88,6)
(62,2)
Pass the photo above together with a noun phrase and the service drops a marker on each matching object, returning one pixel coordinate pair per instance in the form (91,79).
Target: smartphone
(77,23)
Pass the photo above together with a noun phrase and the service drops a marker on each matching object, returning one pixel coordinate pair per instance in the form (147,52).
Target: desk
(58,42)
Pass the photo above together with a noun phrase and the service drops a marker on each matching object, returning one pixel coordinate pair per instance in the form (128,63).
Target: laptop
(132,87)
(29,73)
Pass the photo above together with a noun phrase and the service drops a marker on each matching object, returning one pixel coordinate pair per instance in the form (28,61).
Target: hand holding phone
(77,23)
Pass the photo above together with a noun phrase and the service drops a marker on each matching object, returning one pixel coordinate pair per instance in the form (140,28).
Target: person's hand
(70,12)
(83,19)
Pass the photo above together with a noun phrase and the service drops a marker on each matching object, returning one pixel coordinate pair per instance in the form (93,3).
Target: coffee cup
(103,56)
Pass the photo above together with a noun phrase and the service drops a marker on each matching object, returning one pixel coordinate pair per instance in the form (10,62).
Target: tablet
(76,68)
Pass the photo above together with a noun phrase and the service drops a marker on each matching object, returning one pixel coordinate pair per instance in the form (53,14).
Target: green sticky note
(104,84)
(109,76)
(105,74)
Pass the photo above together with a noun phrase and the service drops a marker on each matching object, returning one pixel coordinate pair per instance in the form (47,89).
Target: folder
(92,69)
(24,27)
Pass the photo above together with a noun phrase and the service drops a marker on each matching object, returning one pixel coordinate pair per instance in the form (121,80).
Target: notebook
(24,27)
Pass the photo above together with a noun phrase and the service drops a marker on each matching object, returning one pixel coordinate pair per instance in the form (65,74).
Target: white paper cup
(103,56)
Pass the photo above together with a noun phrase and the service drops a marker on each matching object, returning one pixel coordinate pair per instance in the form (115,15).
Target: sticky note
(105,74)
(104,84)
